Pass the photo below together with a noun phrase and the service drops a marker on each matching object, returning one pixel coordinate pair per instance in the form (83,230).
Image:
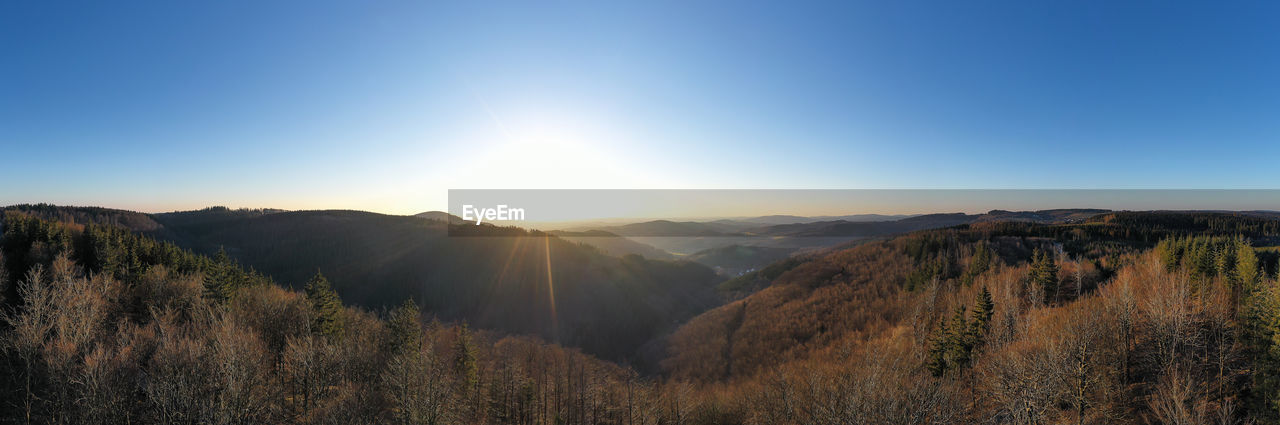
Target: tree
(325,306)
(1226,262)
(1246,264)
(29,328)
(938,348)
(959,340)
(218,284)
(983,309)
(4,280)
(308,366)
(1170,251)
(464,358)
(406,328)
(1044,275)
(417,387)
(979,263)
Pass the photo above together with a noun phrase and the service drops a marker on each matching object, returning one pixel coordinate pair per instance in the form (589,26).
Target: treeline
(139,334)
(103,249)
(1107,233)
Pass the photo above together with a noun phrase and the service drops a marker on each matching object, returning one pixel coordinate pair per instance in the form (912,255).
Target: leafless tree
(418,387)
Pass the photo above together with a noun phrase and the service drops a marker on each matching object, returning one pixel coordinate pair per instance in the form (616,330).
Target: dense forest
(1121,318)
(609,306)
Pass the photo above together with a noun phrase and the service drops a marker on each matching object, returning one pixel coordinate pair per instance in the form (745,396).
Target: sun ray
(551,290)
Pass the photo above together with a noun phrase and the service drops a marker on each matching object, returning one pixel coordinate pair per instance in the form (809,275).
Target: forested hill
(1131,317)
(804,303)
(103,326)
(525,283)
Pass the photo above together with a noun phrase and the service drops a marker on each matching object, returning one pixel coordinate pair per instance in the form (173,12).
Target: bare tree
(31,326)
(418,387)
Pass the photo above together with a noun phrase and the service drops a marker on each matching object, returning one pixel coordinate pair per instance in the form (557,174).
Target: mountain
(668,228)
(864,229)
(775,219)
(612,244)
(79,216)
(734,260)
(719,233)
(107,326)
(813,307)
(793,219)
(440,216)
(1120,317)
(1042,216)
(505,279)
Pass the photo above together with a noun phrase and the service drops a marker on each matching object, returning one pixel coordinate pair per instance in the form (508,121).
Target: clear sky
(384,105)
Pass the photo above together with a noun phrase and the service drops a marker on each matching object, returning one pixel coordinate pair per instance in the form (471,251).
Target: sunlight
(549,149)
(551,290)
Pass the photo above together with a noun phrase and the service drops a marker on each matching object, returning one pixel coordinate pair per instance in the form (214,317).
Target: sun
(552,150)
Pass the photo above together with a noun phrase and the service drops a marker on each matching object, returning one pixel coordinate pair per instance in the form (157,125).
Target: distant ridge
(440,216)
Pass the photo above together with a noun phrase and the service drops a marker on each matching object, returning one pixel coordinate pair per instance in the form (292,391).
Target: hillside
(734,260)
(608,306)
(1124,317)
(966,320)
(668,228)
(868,288)
(108,327)
(614,245)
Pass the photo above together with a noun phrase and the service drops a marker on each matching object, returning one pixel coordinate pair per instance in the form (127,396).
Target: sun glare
(550,150)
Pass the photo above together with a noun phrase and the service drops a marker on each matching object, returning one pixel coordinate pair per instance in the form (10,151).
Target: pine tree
(979,264)
(1170,251)
(464,358)
(218,284)
(1226,263)
(938,350)
(1200,258)
(1246,264)
(1260,311)
(983,309)
(406,328)
(325,306)
(959,340)
(1044,274)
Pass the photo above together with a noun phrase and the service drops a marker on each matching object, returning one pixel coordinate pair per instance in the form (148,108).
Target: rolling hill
(515,281)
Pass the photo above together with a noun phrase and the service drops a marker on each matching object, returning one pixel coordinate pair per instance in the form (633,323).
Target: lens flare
(551,290)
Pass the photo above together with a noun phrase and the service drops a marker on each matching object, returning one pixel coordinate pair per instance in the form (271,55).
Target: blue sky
(384,106)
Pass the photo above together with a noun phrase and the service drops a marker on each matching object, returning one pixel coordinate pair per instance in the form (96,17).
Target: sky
(385,106)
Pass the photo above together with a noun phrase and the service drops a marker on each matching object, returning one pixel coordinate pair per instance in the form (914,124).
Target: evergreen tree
(325,306)
(938,350)
(1246,264)
(979,263)
(1044,275)
(1226,262)
(959,340)
(406,328)
(1170,251)
(1201,258)
(1260,308)
(464,358)
(219,278)
(983,309)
